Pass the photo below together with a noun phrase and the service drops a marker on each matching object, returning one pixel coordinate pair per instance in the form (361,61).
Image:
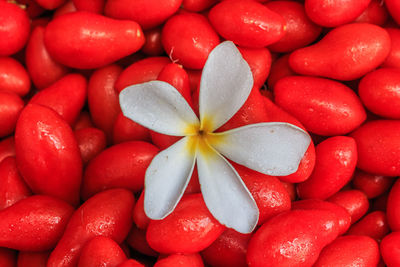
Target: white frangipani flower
(270,148)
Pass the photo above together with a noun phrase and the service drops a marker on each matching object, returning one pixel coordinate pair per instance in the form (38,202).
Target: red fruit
(378,146)
(7,148)
(228,250)
(15,28)
(95,6)
(68,7)
(371,185)
(86,40)
(11,106)
(375,13)
(8,257)
(393,59)
(190,227)
(394,9)
(67,97)
(180,260)
(105,214)
(43,69)
(197,5)
(305,234)
(130,263)
(374,225)
(300,30)
(323,106)
(346,53)
(123,165)
(392,208)
(101,251)
(83,121)
(139,216)
(48,156)
(188,38)
(91,142)
(350,251)
(148,13)
(127,130)
(390,249)
(13,77)
(247,23)
(35,223)
(50,4)
(153,46)
(259,60)
(137,240)
(279,69)
(354,201)
(32,259)
(330,13)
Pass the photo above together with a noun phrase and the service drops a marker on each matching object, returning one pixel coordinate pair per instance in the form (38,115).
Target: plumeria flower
(270,148)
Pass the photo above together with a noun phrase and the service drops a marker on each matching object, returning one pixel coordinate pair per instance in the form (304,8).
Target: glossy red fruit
(32,259)
(323,106)
(50,4)
(7,148)
(68,7)
(8,257)
(148,13)
(123,165)
(375,13)
(127,130)
(180,260)
(153,46)
(394,9)
(13,77)
(137,240)
(95,6)
(259,60)
(197,5)
(101,251)
(12,186)
(390,249)
(330,13)
(139,216)
(350,251)
(247,23)
(393,59)
(105,214)
(372,185)
(67,97)
(91,142)
(15,28)
(374,225)
(131,263)
(191,227)
(279,68)
(336,160)
(346,53)
(229,249)
(392,208)
(378,145)
(300,30)
(188,38)
(306,233)
(48,156)
(35,223)
(87,40)
(83,121)
(43,69)
(11,106)
(354,201)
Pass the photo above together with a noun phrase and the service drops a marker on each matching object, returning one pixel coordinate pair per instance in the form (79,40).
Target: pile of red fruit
(72,166)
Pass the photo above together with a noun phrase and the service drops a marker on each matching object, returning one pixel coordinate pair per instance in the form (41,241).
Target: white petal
(274,148)
(226,83)
(167,178)
(225,194)
(158,106)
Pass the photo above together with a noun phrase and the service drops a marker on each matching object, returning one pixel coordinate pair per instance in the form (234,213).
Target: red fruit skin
(374,225)
(392,208)
(139,216)
(393,59)
(344,218)
(350,251)
(8,257)
(7,148)
(346,53)
(180,260)
(148,13)
(379,92)
(300,30)
(91,142)
(35,223)
(12,186)
(137,240)
(101,251)
(393,7)
(188,38)
(50,4)
(197,5)
(191,227)
(127,130)
(42,68)
(66,96)
(141,71)
(95,6)
(354,201)
(306,233)
(247,23)
(13,77)
(68,7)
(268,192)
(378,145)
(15,29)
(336,160)
(229,249)
(32,259)
(11,106)
(323,106)
(122,165)
(375,13)
(259,60)
(371,185)
(153,46)
(83,121)
(105,214)
(390,249)
(47,154)
(131,263)
(100,41)
(334,13)
(279,69)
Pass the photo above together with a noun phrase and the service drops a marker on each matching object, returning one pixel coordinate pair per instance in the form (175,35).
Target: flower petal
(274,148)
(225,194)
(226,83)
(160,107)
(167,178)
